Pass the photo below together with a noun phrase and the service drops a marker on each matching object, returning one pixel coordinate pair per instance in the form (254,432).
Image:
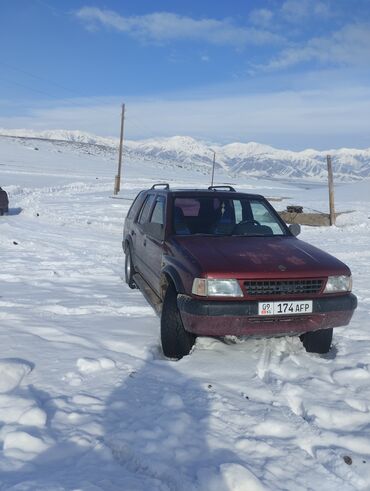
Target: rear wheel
(129,269)
(176,341)
(317,341)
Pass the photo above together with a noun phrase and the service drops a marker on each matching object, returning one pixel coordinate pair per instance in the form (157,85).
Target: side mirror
(295,229)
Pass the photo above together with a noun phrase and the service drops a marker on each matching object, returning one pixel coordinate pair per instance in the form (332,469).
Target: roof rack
(164,184)
(214,188)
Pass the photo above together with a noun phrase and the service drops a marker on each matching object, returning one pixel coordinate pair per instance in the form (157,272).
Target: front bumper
(217,318)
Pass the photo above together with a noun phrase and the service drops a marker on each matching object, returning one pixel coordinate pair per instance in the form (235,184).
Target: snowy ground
(87,401)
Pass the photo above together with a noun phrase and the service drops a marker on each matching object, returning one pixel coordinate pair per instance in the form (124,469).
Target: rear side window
(145,210)
(136,205)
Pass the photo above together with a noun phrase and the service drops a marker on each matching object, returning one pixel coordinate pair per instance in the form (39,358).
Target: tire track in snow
(314,436)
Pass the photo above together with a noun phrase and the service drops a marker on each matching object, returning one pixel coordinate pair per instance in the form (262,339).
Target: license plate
(285,308)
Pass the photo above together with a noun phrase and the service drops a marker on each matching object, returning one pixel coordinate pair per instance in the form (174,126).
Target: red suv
(217,262)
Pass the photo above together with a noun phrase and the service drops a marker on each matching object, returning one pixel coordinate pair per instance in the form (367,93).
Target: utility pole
(213,167)
(331,190)
(117,180)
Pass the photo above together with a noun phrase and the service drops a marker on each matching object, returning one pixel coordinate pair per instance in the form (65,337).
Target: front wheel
(317,341)
(176,341)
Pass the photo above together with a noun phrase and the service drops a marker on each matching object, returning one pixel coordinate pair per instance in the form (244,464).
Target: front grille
(282,287)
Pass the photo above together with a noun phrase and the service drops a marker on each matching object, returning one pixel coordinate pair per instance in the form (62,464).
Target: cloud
(347,46)
(261,17)
(320,118)
(297,10)
(162,27)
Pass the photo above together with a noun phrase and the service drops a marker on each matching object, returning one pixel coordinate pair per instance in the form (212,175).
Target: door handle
(132,232)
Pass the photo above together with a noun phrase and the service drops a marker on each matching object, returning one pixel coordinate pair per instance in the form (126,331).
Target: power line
(134,121)
(38,77)
(28,88)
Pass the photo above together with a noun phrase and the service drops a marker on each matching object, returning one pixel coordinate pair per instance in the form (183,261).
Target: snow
(62,135)
(23,446)
(245,159)
(87,400)
(90,365)
(12,373)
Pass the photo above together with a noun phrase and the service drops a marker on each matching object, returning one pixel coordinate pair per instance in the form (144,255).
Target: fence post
(331,190)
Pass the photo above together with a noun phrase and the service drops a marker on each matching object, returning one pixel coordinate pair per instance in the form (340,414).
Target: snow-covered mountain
(248,159)
(60,135)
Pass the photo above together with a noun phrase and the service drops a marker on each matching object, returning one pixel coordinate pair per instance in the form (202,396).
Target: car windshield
(220,215)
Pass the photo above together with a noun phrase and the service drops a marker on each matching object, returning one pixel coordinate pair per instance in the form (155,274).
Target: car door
(153,244)
(140,235)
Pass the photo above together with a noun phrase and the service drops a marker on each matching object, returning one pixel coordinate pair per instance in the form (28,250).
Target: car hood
(246,257)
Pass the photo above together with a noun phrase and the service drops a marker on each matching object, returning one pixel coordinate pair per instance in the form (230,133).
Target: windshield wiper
(209,235)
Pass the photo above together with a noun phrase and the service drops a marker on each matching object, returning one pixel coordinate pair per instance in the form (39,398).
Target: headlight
(208,287)
(337,284)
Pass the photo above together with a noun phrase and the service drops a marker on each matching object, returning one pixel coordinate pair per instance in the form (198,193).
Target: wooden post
(117,180)
(331,190)
(213,167)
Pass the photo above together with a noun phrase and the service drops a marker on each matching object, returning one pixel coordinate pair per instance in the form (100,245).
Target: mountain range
(238,159)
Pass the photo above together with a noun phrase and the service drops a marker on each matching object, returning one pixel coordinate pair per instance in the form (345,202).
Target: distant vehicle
(217,262)
(4,202)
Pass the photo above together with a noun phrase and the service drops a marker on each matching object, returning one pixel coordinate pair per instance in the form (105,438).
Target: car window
(263,216)
(224,215)
(135,205)
(189,206)
(158,211)
(145,210)
(238,210)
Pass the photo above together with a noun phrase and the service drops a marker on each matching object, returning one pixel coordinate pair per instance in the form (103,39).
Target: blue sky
(290,73)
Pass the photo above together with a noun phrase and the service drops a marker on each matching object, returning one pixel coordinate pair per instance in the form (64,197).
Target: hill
(237,159)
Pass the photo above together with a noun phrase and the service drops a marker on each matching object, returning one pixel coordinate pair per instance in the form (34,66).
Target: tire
(129,269)
(317,341)
(176,341)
